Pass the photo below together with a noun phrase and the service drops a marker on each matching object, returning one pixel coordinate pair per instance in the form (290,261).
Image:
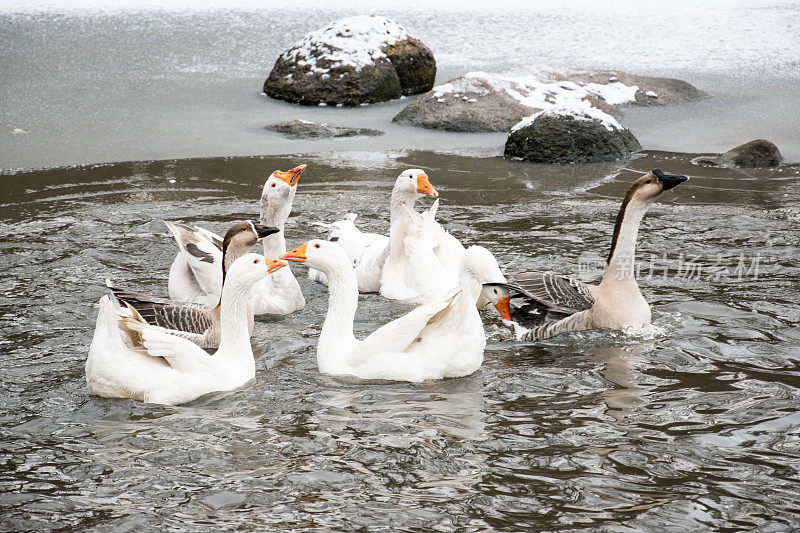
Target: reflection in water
(694,427)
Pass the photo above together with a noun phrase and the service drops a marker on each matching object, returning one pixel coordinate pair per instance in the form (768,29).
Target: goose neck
(622,255)
(234,320)
(342,304)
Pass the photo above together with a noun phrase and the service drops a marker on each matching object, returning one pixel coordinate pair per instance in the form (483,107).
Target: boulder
(758,153)
(353,61)
(483,101)
(577,134)
(303,129)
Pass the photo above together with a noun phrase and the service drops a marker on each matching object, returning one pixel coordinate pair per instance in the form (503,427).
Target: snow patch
(350,42)
(543,89)
(581,110)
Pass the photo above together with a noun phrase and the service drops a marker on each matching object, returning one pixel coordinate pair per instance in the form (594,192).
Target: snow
(580,110)
(544,90)
(350,42)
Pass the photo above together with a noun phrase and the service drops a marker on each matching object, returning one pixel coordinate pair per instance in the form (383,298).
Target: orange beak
(424,186)
(275,264)
(298,255)
(503,307)
(291,177)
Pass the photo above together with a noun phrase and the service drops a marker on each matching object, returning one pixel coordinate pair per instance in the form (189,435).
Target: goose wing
(559,294)
(203,252)
(397,335)
(168,314)
(181,354)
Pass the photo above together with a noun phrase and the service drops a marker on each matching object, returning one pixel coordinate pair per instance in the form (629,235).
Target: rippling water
(691,426)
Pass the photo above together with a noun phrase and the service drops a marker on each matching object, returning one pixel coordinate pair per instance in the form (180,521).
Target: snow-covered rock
(352,61)
(496,101)
(573,133)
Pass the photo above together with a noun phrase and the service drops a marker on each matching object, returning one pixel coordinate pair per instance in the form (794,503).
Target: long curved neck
(275,214)
(234,320)
(622,255)
(342,304)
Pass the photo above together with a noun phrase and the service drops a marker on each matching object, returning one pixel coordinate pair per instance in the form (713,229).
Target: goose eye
(495,291)
(273,185)
(255,261)
(316,246)
(649,181)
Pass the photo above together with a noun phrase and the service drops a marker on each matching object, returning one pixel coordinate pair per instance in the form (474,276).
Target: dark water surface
(690,426)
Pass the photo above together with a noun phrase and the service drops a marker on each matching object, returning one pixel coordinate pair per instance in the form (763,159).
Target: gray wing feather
(559,294)
(179,316)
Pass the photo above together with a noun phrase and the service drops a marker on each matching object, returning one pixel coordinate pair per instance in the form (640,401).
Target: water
(94,83)
(690,426)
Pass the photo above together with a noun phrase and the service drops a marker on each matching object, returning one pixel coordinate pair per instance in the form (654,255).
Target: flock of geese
(155,350)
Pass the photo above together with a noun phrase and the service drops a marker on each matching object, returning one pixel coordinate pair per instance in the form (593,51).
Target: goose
(423,257)
(129,358)
(197,322)
(417,259)
(196,275)
(440,339)
(367,251)
(548,304)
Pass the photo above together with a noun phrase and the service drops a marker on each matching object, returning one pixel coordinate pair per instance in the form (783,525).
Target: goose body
(196,274)
(367,252)
(439,339)
(541,305)
(129,358)
(198,322)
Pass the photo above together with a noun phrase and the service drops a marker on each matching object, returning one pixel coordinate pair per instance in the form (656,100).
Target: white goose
(197,322)
(443,338)
(367,252)
(546,304)
(419,257)
(196,273)
(130,359)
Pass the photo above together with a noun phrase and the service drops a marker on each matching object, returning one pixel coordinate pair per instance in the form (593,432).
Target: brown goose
(547,304)
(198,322)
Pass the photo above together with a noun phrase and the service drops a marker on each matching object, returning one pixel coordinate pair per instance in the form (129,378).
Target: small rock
(582,134)
(303,129)
(758,153)
(353,61)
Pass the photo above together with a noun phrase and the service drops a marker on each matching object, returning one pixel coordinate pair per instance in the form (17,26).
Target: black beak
(263,231)
(668,181)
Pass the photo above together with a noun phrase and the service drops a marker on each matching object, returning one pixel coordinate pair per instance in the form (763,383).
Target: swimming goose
(418,259)
(439,339)
(196,275)
(280,293)
(197,322)
(547,304)
(423,257)
(129,358)
(367,251)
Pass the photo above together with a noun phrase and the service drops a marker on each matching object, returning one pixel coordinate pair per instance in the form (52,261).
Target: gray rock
(353,61)
(477,102)
(553,137)
(758,153)
(303,129)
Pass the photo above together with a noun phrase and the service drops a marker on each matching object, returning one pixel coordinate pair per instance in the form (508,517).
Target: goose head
(649,187)
(324,256)
(249,269)
(241,239)
(413,184)
(278,195)
(498,295)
